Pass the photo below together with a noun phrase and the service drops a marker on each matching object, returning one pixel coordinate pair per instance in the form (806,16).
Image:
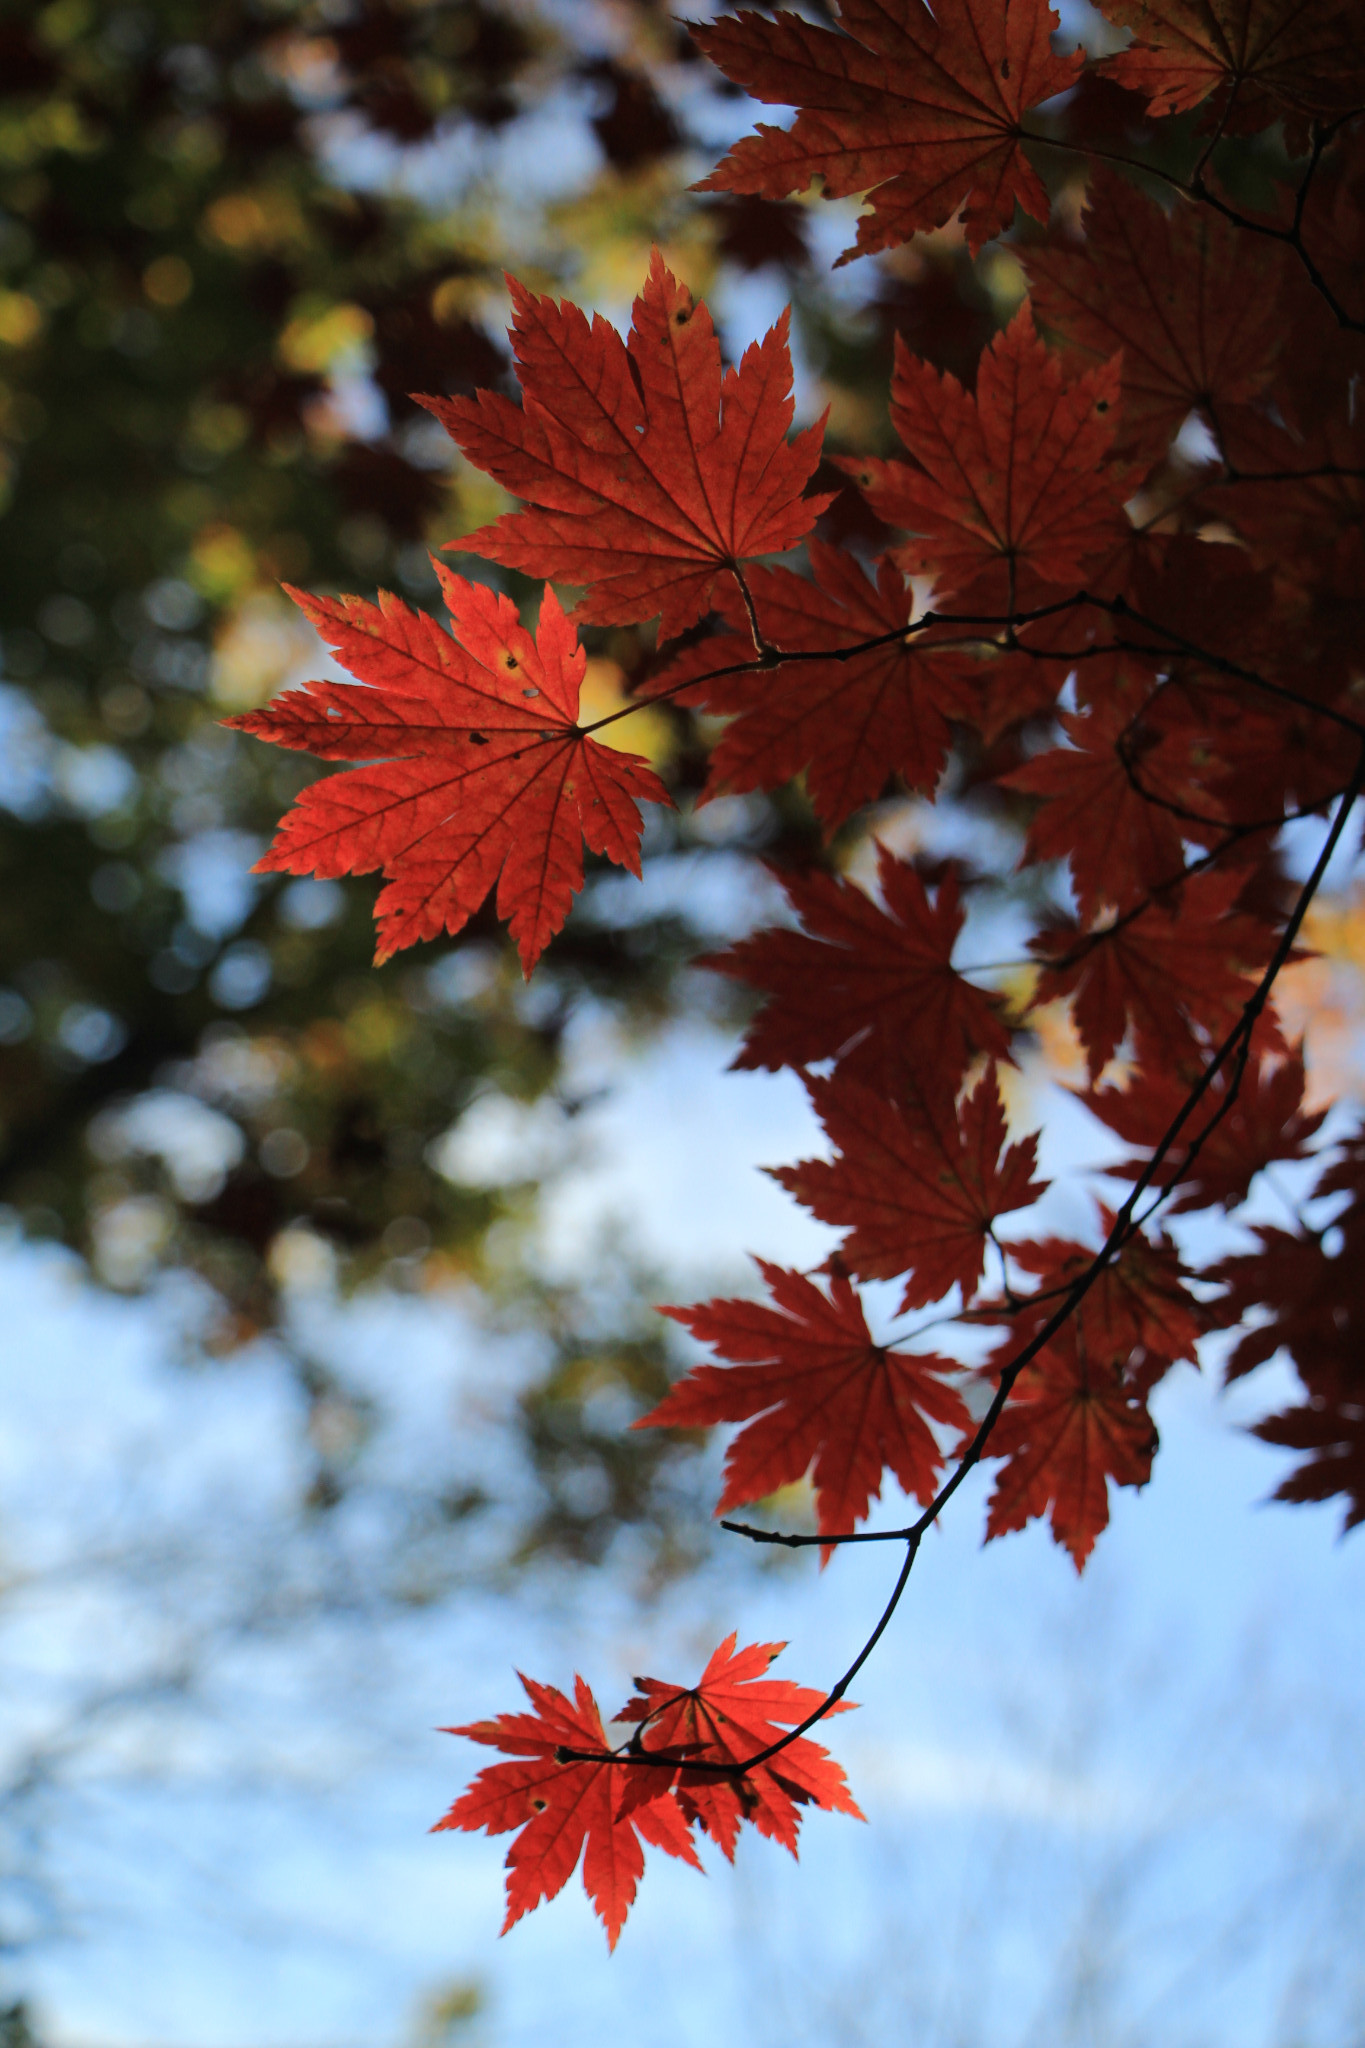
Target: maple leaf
(918,1184)
(481,773)
(874,989)
(816,1392)
(1334,1432)
(1070,1425)
(732,1713)
(921,110)
(1139,1312)
(1170,971)
(1119,844)
(1194,310)
(848,723)
(563,1808)
(1260,59)
(1265,1122)
(1012,477)
(645,472)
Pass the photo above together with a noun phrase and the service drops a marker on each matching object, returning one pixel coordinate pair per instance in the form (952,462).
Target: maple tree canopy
(1106,593)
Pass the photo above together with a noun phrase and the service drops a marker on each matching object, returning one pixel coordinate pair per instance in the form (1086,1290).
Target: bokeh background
(326,1290)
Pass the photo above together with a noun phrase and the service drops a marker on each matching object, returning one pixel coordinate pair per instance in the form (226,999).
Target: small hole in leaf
(509,657)
(477,739)
(531,692)
(540,1804)
(1101,405)
(682,316)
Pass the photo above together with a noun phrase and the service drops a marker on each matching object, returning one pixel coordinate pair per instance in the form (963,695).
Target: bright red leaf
(645,471)
(817,1394)
(875,989)
(924,110)
(563,1809)
(734,1711)
(480,772)
(916,1183)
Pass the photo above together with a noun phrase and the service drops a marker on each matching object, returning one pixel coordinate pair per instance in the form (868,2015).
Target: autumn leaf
(1139,1312)
(848,723)
(1095,814)
(1193,304)
(1012,477)
(1261,59)
(922,111)
(816,1393)
(1070,1425)
(563,1809)
(1172,971)
(646,473)
(1265,1121)
(873,988)
(917,1183)
(481,773)
(732,1713)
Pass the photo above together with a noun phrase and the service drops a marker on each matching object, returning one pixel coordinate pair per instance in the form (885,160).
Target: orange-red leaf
(1011,478)
(645,472)
(563,1809)
(875,989)
(816,1393)
(479,771)
(732,1713)
(917,1183)
(1071,1424)
(922,109)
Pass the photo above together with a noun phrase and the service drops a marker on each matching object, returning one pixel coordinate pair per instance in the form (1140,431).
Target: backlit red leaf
(645,471)
(924,110)
(816,1393)
(873,988)
(1011,478)
(479,771)
(732,1712)
(917,1184)
(1071,1425)
(566,1809)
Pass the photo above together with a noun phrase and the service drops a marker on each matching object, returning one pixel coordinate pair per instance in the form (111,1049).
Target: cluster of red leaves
(1141,648)
(567,1796)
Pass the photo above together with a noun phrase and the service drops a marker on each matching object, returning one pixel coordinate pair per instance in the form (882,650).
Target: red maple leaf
(848,723)
(480,772)
(1009,479)
(1193,307)
(563,1808)
(645,472)
(917,1184)
(1139,1313)
(1333,1431)
(923,110)
(817,1393)
(1071,1424)
(1266,1121)
(874,989)
(1119,844)
(730,1714)
(1261,58)
(1171,971)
